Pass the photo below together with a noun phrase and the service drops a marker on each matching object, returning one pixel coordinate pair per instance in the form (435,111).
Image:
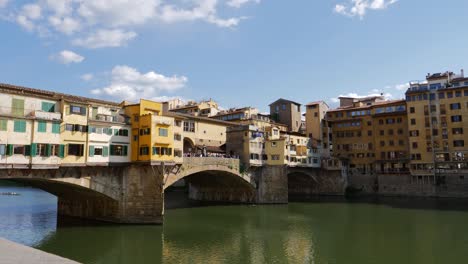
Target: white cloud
(387,96)
(87,77)
(129,84)
(240,3)
(67,57)
(31,11)
(360,7)
(24,22)
(66,25)
(90,23)
(402,87)
(27,15)
(118,12)
(105,38)
(205,10)
(166,98)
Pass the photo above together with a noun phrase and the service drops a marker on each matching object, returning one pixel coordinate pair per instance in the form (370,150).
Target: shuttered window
(91,151)
(17,107)
(48,107)
(105,151)
(41,126)
(56,128)
(3,124)
(19,126)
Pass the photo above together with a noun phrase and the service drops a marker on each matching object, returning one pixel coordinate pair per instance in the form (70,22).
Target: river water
(388,231)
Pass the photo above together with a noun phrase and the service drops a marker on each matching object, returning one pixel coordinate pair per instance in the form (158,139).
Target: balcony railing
(110,118)
(46,115)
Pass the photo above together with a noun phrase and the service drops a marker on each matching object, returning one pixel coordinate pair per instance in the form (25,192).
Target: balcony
(110,118)
(38,114)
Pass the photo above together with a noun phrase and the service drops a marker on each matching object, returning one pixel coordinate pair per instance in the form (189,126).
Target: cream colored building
(29,128)
(109,133)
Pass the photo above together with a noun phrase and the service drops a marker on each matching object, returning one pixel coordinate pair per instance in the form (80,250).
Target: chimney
(462,73)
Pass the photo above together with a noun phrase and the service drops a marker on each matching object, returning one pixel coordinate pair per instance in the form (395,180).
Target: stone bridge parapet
(193,165)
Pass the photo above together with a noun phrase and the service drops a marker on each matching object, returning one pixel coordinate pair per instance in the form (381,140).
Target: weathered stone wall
(314,181)
(454,185)
(131,194)
(272,184)
(142,198)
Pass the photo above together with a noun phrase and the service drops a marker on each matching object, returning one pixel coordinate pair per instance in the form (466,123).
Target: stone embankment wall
(304,182)
(453,185)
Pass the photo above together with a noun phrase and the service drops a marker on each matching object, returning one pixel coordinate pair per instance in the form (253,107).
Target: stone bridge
(135,193)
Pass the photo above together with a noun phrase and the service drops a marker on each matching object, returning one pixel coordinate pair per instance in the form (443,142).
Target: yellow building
(152,133)
(315,114)
(438,120)
(74,134)
(370,135)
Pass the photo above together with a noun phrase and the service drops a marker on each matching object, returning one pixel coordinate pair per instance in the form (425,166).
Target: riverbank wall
(443,185)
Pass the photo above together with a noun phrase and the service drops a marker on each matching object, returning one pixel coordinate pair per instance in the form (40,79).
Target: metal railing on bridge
(231,163)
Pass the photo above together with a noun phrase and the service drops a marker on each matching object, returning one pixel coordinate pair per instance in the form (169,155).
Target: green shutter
(62,151)
(33,149)
(48,107)
(48,150)
(125,149)
(27,150)
(9,149)
(105,151)
(116,132)
(17,107)
(19,126)
(3,124)
(109,131)
(56,128)
(42,126)
(91,151)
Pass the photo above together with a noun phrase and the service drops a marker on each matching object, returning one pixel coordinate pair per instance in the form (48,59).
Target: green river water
(339,231)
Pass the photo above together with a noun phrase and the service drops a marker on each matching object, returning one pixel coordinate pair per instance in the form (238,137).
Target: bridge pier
(142,198)
(272,182)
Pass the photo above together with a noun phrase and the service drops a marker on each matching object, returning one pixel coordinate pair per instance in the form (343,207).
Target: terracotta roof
(285,100)
(316,103)
(211,120)
(367,106)
(52,95)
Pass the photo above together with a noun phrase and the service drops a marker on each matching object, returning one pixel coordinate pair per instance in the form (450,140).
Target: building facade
(287,112)
(438,121)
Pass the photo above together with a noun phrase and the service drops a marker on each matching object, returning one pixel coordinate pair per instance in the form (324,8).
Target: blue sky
(238,52)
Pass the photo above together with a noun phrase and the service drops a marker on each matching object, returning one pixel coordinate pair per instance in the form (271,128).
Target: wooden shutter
(27,150)
(62,151)
(17,106)
(48,150)
(33,149)
(9,151)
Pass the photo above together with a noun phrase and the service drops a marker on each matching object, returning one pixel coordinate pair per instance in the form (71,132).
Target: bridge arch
(81,192)
(214,179)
